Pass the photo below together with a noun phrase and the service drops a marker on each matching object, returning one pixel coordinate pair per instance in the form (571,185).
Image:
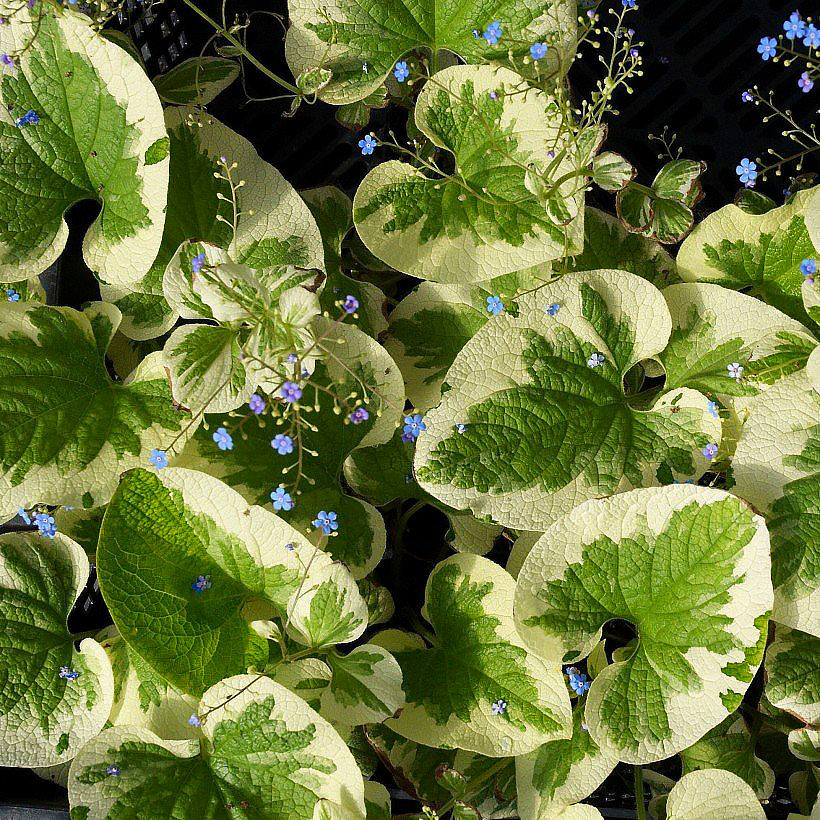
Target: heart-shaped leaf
(793,673)
(708,794)
(196,81)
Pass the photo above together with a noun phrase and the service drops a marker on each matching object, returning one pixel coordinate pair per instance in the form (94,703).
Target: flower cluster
(578,681)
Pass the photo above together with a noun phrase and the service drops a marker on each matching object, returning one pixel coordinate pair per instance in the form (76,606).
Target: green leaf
(729,746)
(483,220)
(306,677)
(689,568)
(713,327)
(477,661)
(805,744)
(45,718)
(546,430)
(366,686)
(761,251)
(709,794)
(793,673)
(380,606)
(196,81)
(47,167)
(360,44)
(611,171)
(160,533)
(263,753)
(68,429)
(377,801)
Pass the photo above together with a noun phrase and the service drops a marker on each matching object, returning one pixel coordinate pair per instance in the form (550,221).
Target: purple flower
(413,425)
(202,583)
(158,458)
(359,415)
(367,144)
(281,499)
(794,26)
(538,51)
(747,96)
(256,404)
(401,72)
(282,444)
(326,522)
(710,451)
(767,47)
(805,82)
(291,358)
(6,59)
(633,52)
(350,304)
(291,391)
(747,172)
(223,439)
(197,262)
(499,707)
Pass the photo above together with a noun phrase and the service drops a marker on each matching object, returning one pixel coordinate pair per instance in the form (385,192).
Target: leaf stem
(640,803)
(477,781)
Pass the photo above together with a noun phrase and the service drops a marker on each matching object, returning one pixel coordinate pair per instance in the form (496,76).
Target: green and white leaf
(729,746)
(196,81)
(261,745)
(478,659)
(810,291)
(365,688)
(377,801)
(495,797)
(163,530)
(611,171)
(360,44)
(793,673)
(115,152)
(650,557)
(776,468)
(561,772)
(520,550)
(545,430)
(45,718)
(759,251)
(380,605)
(469,534)
(306,677)
(68,429)
(141,697)
(327,609)
(713,327)
(805,744)
(713,794)
(483,221)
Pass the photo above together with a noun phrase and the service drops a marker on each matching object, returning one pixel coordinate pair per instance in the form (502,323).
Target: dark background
(698,57)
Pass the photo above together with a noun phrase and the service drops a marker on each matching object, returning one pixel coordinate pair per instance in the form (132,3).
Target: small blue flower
(805,83)
(633,52)
(538,51)
(13,295)
(710,451)
(553,309)
(794,26)
(290,547)
(812,38)
(29,118)
(282,443)
(291,358)
(747,172)
(350,304)
(45,524)
(281,499)
(413,425)
(223,439)
(158,458)
(24,515)
(461,428)
(194,721)
(401,72)
(197,262)
(735,370)
(492,34)
(291,391)
(495,305)
(499,707)
(476,33)
(746,96)
(767,47)
(202,583)
(326,522)
(596,360)
(112,770)
(359,415)
(6,59)
(808,267)
(578,681)
(67,673)
(256,404)
(628,4)
(367,144)
(713,409)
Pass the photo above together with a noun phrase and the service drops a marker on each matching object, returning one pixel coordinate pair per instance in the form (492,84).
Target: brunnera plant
(623,437)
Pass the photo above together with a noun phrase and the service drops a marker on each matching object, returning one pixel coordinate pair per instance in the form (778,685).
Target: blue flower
(13,295)
(291,391)
(713,409)
(413,425)
(808,267)
(476,33)
(290,547)
(368,144)
(401,72)
(29,118)
(24,515)
(767,47)
(628,4)
(256,404)
(794,26)
(291,358)
(113,770)
(326,522)
(282,444)
(350,304)
(499,707)
(746,96)
(633,52)
(202,583)
(67,673)
(6,59)
(805,83)
(158,458)
(538,51)
(710,451)
(747,172)
(45,524)
(596,360)
(461,428)
(578,681)
(359,415)
(194,721)
(223,439)
(281,499)
(812,38)
(495,305)
(197,262)
(553,309)
(735,370)
(492,34)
